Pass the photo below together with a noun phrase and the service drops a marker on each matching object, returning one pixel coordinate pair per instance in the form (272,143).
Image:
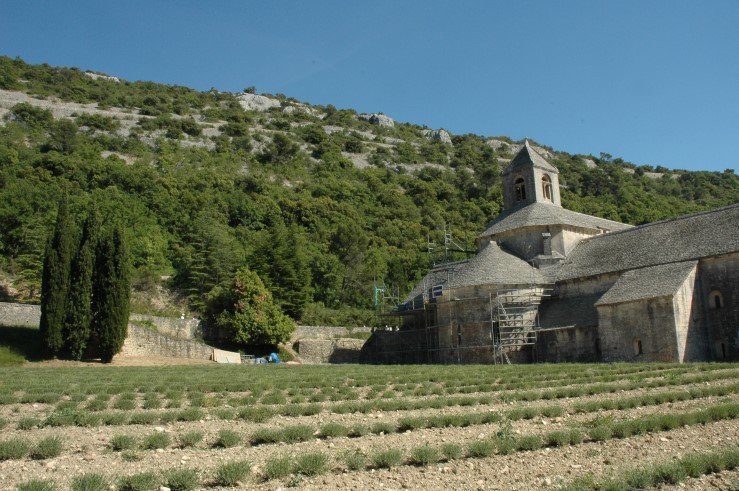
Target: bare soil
(87,449)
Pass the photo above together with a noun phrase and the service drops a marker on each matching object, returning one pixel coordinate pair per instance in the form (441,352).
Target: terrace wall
(330,350)
(142,341)
(19,314)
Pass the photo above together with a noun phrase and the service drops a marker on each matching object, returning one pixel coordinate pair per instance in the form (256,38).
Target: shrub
(37,485)
(190,414)
(144,418)
(181,479)
(90,482)
(355,460)
(114,419)
(600,433)
(451,451)
(296,433)
(28,423)
(480,448)
(311,464)
(358,431)
(131,455)
(231,473)
(14,449)
(156,440)
(385,459)
(265,435)
(190,439)
(122,442)
(144,481)
(333,430)
(48,447)
(227,438)
(382,428)
(255,414)
(424,455)
(529,442)
(277,467)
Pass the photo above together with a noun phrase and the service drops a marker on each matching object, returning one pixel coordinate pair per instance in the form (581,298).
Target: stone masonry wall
(142,341)
(330,350)
(18,314)
(324,332)
(173,337)
(171,326)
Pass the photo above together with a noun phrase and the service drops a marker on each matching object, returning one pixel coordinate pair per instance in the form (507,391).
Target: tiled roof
(710,233)
(527,157)
(547,214)
(652,282)
(439,275)
(494,266)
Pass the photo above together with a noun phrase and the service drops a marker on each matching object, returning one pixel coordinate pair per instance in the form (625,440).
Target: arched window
(546,188)
(637,346)
(715,300)
(520,189)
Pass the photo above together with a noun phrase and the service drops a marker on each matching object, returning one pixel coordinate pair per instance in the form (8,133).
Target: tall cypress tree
(111,295)
(79,305)
(55,280)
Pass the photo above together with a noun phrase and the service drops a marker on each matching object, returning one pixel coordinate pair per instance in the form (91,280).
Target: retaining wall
(330,350)
(324,332)
(19,314)
(142,341)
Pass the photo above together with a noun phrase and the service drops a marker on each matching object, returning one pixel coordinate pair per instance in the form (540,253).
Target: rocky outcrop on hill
(438,135)
(378,119)
(256,102)
(98,76)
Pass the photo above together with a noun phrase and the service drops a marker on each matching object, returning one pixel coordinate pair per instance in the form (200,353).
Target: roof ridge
(658,222)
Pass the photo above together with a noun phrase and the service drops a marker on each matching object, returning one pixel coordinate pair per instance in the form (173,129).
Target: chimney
(546,239)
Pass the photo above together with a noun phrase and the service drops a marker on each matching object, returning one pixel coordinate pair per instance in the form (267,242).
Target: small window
(637,346)
(715,300)
(546,187)
(520,189)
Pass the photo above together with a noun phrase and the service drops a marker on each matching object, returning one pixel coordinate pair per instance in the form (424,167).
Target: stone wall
(571,345)
(324,332)
(18,314)
(142,341)
(330,350)
(642,330)
(719,276)
(171,326)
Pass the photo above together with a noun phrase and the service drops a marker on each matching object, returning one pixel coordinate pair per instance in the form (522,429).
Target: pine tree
(111,295)
(281,261)
(79,304)
(55,280)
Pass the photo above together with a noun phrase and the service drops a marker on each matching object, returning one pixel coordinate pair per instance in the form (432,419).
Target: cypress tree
(79,305)
(111,295)
(55,280)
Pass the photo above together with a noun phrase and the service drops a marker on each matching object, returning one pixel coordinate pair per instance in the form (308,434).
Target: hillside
(322,202)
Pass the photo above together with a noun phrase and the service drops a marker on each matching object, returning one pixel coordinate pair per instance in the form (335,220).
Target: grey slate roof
(576,311)
(710,233)
(652,282)
(547,214)
(439,275)
(527,157)
(493,265)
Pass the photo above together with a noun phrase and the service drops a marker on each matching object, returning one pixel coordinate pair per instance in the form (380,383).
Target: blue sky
(651,81)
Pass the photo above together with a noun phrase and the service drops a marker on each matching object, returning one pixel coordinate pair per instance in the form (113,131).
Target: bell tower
(529,178)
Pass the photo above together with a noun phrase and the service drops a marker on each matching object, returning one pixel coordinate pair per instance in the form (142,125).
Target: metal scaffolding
(514,318)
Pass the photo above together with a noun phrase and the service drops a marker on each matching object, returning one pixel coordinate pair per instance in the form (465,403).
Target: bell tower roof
(528,179)
(527,158)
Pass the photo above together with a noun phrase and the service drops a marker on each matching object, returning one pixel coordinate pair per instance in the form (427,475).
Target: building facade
(551,285)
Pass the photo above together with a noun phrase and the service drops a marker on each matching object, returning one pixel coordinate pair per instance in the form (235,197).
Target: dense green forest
(322,205)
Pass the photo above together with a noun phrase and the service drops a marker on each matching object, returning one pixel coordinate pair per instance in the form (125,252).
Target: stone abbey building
(551,285)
